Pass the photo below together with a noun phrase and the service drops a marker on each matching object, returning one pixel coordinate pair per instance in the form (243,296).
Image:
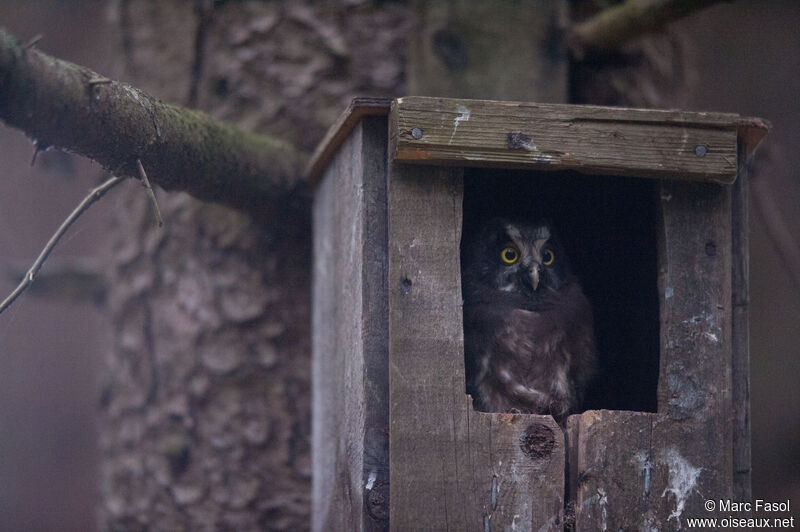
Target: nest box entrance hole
(608,227)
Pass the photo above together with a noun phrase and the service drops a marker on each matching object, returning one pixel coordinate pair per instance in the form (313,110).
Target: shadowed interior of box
(608,227)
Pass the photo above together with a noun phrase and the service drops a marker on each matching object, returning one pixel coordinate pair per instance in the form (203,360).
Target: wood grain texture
(359,108)
(695,388)
(639,471)
(740,330)
(350,334)
(598,140)
(452,468)
(695,295)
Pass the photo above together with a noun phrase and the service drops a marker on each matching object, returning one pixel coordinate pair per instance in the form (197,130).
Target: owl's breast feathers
(531,361)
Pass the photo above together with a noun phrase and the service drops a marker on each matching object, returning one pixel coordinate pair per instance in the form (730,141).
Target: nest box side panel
(740,330)
(452,468)
(350,336)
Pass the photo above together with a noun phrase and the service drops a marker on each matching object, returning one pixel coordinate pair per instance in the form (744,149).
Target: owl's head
(513,257)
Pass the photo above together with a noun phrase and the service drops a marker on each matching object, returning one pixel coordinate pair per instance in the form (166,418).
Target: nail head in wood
(405,286)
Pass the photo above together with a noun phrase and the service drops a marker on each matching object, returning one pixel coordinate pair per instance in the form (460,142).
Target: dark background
(747,59)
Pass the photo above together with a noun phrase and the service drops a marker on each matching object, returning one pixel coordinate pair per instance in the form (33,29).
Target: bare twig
(146,183)
(613,27)
(92,197)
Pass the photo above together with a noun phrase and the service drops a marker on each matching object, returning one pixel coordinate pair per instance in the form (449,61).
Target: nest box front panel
(452,466)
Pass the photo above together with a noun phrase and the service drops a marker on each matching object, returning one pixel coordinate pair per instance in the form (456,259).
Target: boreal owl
(528,336)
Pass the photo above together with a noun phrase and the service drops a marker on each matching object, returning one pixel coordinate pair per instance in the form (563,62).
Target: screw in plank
(416,133)
(405,286)
(700,150)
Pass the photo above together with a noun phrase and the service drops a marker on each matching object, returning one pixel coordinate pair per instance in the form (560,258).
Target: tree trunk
(206,397)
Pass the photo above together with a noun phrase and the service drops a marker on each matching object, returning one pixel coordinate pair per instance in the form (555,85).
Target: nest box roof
(695,146)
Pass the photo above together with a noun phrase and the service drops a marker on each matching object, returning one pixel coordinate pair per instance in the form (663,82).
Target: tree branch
(71,107)
(613,27)
(96,193)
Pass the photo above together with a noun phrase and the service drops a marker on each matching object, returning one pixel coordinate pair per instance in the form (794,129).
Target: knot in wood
(537,442)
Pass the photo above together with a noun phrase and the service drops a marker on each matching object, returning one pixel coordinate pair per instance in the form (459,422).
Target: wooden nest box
(652,206)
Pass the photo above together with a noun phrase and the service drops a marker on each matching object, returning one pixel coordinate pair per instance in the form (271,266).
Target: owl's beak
(535,277)
(534,271)
(529,277)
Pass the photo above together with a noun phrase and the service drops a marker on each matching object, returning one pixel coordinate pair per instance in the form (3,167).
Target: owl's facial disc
(524,259)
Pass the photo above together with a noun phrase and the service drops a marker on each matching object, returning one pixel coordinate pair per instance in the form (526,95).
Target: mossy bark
(68,106)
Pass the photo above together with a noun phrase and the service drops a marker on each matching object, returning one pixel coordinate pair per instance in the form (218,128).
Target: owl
(528,334)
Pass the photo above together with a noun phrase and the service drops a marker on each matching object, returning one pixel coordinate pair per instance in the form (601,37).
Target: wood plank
(375,323)
(359,108)
(611,472)
(452,468)
(350,337)
(695,380)
(597,140)
(740,330)
(641,471)
(489,49)
(695,295)
(752,131)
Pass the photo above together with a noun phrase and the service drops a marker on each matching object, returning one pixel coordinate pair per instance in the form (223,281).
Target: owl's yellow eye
(509,255)
(548,257)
